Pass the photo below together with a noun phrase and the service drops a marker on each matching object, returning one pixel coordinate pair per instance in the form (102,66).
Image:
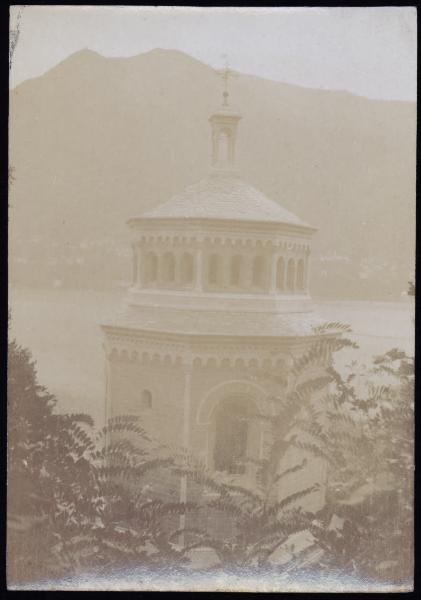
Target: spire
(224,123)
(225,74)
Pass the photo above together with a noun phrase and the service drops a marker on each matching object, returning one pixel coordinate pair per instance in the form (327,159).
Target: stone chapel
(219,292)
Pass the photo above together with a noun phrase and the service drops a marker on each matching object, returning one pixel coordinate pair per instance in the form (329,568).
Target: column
(273,273)
(159,269)
(296,286)
(307,270)
(185,442)
(198,281)
(108,399)
(139,260)
(134,264)
(177,267)
(214,147)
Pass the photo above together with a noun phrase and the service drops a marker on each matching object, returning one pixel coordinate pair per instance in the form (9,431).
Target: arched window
(168,267)
(223,150)
(186,269)
(280,274)
(291,275)
(258,274)
(151,267)
(235,271)
(146,400)
(214,269)
(300,274)
(231,437)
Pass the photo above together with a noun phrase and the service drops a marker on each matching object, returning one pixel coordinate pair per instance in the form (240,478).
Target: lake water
(61,328)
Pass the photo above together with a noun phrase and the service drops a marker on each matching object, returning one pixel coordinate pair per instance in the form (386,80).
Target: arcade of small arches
(217,361)
(179,238)
(220,271)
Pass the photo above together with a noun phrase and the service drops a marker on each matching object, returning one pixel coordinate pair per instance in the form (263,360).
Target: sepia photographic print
(211,298)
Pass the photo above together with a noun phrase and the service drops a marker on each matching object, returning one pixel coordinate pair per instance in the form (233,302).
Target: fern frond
(335,326)
(289,471)
(292,498)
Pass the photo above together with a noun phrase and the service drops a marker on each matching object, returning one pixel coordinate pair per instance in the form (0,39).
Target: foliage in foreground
(366,527)
(80,500)
(77,498)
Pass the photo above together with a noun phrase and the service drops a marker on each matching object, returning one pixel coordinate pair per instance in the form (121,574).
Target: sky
(369,51)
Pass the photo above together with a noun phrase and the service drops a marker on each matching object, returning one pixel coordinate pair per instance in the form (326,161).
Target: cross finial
(225,74)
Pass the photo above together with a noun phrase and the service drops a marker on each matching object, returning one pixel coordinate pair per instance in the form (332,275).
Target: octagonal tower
(219,292)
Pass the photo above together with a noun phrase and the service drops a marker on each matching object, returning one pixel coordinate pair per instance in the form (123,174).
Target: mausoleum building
(219,293)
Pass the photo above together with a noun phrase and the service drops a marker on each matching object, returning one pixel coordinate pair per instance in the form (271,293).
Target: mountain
(96,140)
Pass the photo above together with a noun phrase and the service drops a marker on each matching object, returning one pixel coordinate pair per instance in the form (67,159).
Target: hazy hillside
(96,140)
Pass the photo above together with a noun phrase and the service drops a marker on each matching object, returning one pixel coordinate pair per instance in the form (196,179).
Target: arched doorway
(236,435)
(231,437)
(235,400)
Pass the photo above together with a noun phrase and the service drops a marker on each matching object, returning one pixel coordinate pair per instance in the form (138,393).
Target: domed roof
(223,196)
(225,110)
